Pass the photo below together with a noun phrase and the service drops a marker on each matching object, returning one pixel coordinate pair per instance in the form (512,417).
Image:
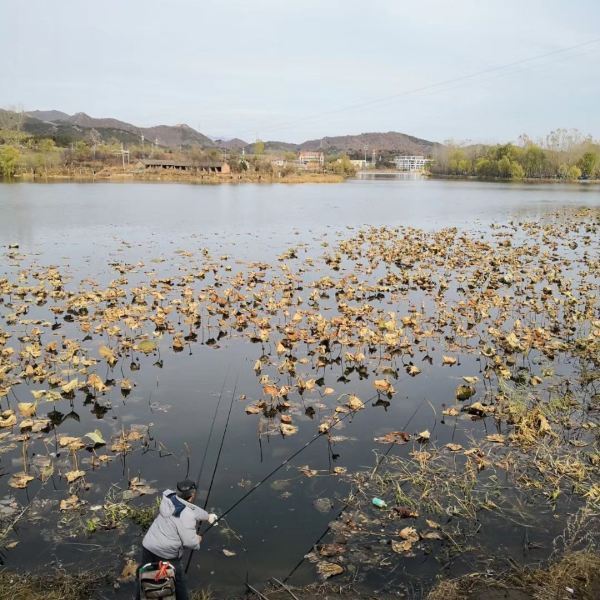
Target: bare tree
(94,138)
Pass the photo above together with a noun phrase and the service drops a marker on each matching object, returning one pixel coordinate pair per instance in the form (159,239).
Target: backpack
(157,580)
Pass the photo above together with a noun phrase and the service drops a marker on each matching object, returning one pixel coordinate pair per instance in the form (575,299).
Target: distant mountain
(48,115)
(65,128)
(65,133)
(57,124)
(391,141)
(280,147)
(176,135)
(83,120)
(233,144)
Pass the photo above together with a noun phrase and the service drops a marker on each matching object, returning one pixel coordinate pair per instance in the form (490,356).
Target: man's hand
(199,539)
(212,518)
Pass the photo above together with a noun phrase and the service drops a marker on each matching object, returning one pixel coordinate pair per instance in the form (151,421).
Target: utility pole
(123,153)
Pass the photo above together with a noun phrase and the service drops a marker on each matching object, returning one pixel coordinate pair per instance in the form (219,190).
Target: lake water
(86,229)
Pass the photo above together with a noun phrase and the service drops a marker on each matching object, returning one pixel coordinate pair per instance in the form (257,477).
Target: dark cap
(186,487)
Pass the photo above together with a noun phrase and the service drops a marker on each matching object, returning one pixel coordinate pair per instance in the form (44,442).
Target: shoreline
(256,178)
(549,180)
(175,177)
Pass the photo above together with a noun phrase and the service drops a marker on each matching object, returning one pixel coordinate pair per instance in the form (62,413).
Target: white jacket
(174,528)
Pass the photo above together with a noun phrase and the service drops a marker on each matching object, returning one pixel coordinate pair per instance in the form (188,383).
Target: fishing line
(212,427)
(212,479)
(286,461)
(345,506)
(280,466)
(299,563)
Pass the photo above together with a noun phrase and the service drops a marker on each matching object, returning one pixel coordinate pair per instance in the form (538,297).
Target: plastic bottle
(379,503)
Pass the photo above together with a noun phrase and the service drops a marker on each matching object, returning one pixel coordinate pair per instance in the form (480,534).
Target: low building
(411,163)
(195,167)
(279,162)
(359,163)
(176,165)
(213,167)
(311,159)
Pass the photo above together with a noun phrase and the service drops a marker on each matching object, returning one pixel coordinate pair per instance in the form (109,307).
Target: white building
(411,163)
(279,162)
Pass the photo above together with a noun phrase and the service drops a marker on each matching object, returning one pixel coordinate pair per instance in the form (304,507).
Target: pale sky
(289,70)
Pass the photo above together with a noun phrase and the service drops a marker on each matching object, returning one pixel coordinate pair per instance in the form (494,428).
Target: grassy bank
(574,575)
(52,585)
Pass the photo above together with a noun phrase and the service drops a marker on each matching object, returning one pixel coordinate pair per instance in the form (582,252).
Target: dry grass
(206,594)
(54,585)
(578,572)
(446,590)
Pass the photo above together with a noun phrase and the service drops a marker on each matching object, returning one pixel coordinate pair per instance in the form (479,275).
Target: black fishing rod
(337,516)
(212,479)
(280,466)
(267,477)
(212,427)
(345,506)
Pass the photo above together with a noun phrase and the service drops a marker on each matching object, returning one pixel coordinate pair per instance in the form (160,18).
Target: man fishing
(174,529)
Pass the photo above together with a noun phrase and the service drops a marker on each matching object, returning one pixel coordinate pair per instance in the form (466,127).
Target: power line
(432,86)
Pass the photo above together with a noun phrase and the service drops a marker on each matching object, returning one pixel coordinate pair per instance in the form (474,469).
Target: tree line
(562,154)
(22,152)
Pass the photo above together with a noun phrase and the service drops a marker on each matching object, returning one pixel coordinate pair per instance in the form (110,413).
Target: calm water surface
(85,227)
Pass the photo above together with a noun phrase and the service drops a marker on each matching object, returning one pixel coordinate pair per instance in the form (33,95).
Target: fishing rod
(269,475)
(212,479)
(345,506)
(280,466)
(212,427)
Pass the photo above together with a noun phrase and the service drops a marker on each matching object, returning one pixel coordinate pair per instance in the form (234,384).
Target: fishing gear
(345,506)
(285,587)
(212,479)
(264,479)
(337,516)
(212,426)
(280,466)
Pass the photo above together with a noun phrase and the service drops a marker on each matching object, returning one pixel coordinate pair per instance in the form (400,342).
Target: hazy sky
(284,69)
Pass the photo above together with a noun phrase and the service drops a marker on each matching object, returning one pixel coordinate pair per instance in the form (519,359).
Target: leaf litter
(521,299)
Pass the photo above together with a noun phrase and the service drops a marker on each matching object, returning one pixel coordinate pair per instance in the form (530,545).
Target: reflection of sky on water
(84,227)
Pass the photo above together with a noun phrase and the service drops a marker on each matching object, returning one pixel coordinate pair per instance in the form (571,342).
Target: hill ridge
(55,122)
